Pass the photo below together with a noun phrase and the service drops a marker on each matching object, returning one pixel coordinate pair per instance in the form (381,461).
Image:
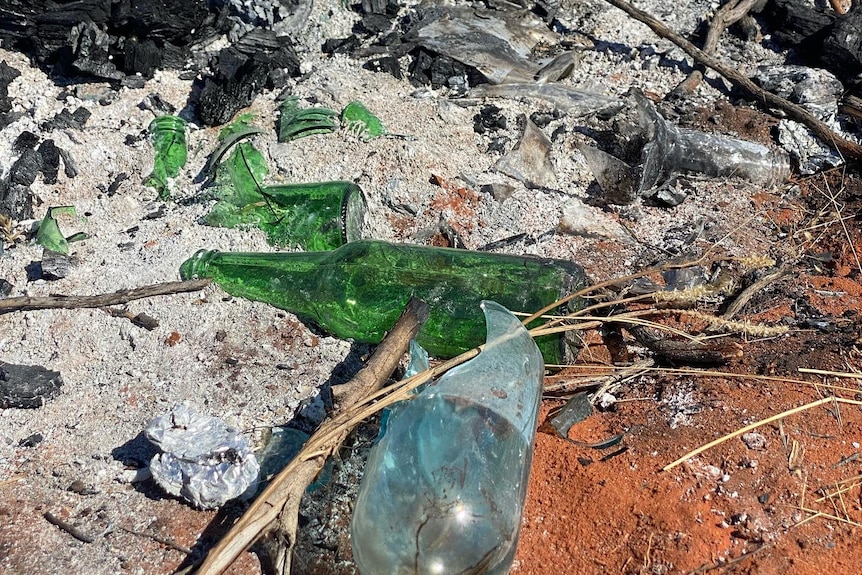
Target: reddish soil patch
(784,500)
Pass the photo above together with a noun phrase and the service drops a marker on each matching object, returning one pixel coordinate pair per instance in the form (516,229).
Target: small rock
(754,441)
(54,265)
(31,441)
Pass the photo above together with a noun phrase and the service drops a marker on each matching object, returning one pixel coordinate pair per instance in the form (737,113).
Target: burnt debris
(27,386)
(125,42)
(7,74)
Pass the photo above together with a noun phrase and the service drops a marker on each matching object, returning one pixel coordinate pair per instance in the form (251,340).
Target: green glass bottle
(358,290)
(168,134)
(315,216)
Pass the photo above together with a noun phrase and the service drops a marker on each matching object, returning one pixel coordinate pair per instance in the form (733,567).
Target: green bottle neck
(290,281)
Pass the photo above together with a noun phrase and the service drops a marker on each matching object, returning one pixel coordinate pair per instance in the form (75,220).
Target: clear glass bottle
(444,489)
(358,290)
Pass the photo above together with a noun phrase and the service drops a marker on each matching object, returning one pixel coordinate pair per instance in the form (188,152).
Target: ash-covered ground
(249,363)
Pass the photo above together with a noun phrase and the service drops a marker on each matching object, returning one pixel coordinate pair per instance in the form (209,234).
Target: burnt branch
(850,150)
(26,303)
(277,508)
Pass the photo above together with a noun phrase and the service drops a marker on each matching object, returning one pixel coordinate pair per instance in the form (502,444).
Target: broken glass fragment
(671,151)
(577,409)
(617,179)
(444,489)
(168,135)
(362,123)
(315,216)
(49,235)
(530,160)
(576,102)
(295,123)
(674,150)
(499,44)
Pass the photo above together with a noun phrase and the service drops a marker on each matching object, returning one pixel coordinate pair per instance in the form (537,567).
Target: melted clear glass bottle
(444,489)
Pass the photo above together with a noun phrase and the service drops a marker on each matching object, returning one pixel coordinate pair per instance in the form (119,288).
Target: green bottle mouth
(172,123)
(196,266)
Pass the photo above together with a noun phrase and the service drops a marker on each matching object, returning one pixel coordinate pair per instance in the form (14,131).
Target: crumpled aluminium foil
(203,460)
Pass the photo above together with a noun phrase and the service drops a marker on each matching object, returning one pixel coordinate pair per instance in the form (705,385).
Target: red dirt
(735,508)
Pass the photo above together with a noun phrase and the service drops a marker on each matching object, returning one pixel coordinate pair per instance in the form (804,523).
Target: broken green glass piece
(314,216)
(241,124)
(295,123)
(168,135)
(49,235)
(358,120)
(238,177)
(229,141)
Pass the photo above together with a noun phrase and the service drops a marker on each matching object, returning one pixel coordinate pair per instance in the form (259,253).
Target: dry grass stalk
(847,374)
(9,229)
(833,199)
(795,458)
(757,424)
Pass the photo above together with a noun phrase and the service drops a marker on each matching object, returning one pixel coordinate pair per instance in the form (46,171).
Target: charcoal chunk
(26,140)
(340,45)
(65,119)
(842,49)
(141,57)
(7,74)
(16,200)
(26,168)
(384,64)
(375,23)
(50,154)
(27,386)
(55,265)
(238,79)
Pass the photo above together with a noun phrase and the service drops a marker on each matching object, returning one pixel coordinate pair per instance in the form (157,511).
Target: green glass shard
(168,135)
(49,235)
(242,123)
(314,216)
(295,123)
(358,120)
(238,178)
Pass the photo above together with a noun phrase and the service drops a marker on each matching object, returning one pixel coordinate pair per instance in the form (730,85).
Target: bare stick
(730,13)
(27,303)
(850,150)
(68,528)
(163,540)
(278,505)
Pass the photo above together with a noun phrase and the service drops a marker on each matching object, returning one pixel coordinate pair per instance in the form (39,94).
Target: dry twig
(730,13)
(68,527)
(26,303)
(278,506)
